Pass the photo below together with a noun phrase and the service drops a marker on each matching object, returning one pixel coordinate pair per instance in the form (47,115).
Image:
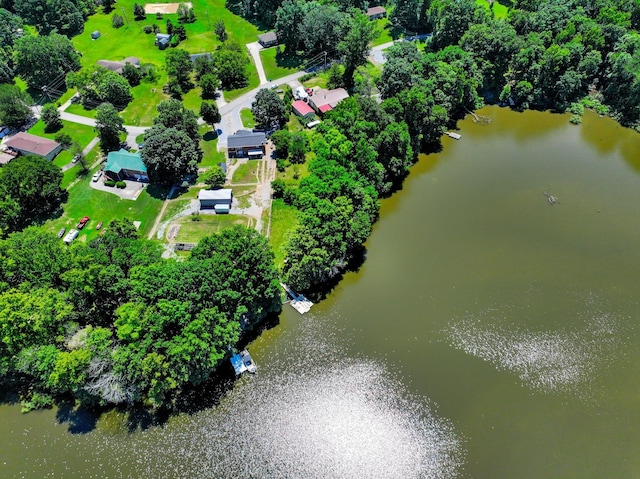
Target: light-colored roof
(268,37)
(376,11)
(118,66)
(32,144)
(302,107)
(118,160)
(329,97)
(221,194)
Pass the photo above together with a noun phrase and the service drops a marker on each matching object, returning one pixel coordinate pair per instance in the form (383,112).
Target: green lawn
(500,9)
(78,109)
(387,32)
(209,144)
(247,118)
(246,172)
(284,220)
(130,40)
(103,206)
(192,231)
(279,65)
(242,194)
(82,134)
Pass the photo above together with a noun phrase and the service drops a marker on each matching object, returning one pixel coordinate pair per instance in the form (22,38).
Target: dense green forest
(544,54)
(110,322)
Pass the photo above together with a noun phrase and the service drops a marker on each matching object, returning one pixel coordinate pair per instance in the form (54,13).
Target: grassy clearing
(209,144)
(500,8)
(130,40)
(242,194)
(279,65)
(284,219)
(103,206)
(78,109)
(247,118)
(82,134)
(193,231)
(246,172)
(388,32)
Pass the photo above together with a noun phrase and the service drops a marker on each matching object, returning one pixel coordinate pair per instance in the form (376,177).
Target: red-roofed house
(324,100)
(376,12)
(302,109)
(34,145)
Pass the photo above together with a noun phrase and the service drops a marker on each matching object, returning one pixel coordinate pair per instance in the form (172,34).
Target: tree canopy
(269,110)
(169,155)
(40,60)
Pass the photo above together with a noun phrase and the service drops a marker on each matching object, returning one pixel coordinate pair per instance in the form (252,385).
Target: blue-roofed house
(163,40)
(123,165)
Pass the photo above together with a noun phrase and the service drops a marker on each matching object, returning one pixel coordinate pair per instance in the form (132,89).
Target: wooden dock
(299,302)
(455,136)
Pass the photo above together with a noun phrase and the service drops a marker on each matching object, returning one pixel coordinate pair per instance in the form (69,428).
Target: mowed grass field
(208,224)
(284,220)
(131,40)
(105,207)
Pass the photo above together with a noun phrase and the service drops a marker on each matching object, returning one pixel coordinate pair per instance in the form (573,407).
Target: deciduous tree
(169,155)
(109,126)
(269,111)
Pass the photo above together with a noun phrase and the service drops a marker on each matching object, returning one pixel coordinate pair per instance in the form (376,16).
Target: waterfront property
(242,362)
(244,143)
(123,165)
(27,144)
(218,200)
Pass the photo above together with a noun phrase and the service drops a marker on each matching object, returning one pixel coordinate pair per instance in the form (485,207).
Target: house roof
(221,194)
(243,138)
(376,11)
(329,97)
(118,160)
(32,144)
(268,37)
(302,107)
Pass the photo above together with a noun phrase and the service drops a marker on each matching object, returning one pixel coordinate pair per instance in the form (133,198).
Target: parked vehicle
(96,176)
(75,159)
(71,235)
(82,222)
(62,232)
(309,91)
(99,225)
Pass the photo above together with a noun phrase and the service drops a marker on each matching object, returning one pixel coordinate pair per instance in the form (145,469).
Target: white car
(96,176)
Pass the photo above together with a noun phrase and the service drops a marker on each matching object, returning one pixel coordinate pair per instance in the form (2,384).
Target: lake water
(489,334)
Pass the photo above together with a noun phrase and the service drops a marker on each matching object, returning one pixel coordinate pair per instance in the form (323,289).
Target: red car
(83,222)
(309,91)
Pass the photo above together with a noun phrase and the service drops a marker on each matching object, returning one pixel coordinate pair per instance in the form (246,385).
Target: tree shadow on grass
(286,59)
(158,192)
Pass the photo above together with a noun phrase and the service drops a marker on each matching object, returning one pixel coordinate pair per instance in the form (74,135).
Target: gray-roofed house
(123,165)
(324,100)
(269,39)
(220,200)
(246,143)
(376,12)
(119,66)
(163,40)
(27,144)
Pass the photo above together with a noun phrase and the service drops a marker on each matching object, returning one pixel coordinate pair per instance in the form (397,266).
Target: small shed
(269,39)
(218,200)
(95,35)
(163,40)
(376,12)
(302,109)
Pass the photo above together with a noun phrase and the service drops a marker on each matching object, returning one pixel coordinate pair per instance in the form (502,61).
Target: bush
(148,29)
(110,183)
(575,119)
(117,21)
(278,186)
(37,401)
(121,185)
(306,77)
(64,139)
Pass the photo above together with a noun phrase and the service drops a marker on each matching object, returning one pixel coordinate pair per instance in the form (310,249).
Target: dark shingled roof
(245,138)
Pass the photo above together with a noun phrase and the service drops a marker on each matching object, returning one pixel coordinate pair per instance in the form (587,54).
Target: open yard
(103,206)
(246,172)
(247,118)
(284,219)
(82,134)
(279,65)
(193,231)
(209,144)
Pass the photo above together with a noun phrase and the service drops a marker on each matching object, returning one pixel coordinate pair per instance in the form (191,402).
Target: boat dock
(299,302)
(455,136)
(242,362)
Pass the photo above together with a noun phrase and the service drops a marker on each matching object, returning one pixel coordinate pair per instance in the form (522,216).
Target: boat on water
(242,362)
